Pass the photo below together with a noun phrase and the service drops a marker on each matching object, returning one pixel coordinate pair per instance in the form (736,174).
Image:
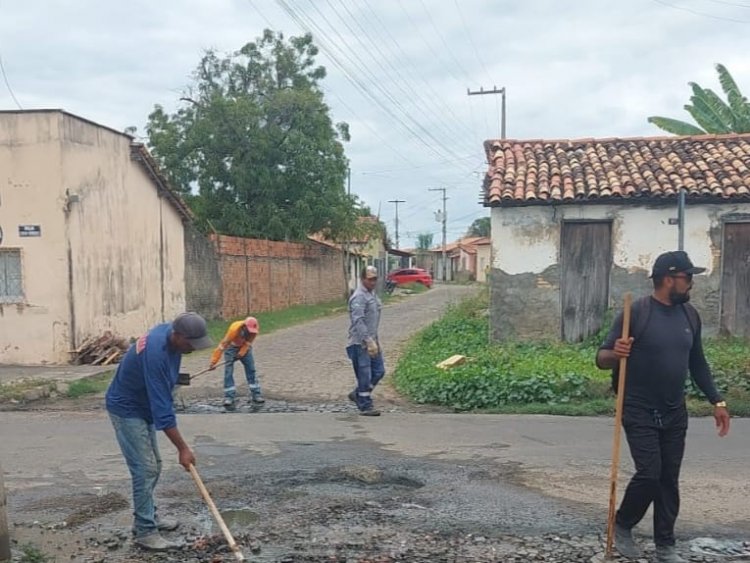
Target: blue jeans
(137,441)
(368,371)
(230,355)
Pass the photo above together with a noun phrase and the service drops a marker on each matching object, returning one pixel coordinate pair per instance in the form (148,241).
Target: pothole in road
(366,475)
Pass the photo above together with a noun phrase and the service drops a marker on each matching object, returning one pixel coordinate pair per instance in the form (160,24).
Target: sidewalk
(13,374)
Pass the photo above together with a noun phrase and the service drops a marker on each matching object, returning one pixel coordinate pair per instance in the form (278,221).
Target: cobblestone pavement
(308,364)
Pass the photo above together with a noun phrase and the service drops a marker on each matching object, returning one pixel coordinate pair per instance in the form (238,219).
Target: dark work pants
(657,444)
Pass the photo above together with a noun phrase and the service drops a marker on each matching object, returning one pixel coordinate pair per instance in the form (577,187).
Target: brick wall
(261,275)
(202,276)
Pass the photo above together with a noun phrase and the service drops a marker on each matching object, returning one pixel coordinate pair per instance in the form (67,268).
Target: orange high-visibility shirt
(233,337)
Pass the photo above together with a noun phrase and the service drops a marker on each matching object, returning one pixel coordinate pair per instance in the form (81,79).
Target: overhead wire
(413,92)
(435,145)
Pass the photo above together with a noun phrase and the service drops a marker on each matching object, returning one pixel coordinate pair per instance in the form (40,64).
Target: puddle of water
(239,518)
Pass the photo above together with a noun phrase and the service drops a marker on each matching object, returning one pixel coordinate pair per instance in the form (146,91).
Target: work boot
(353,397)
(167,524)
(154,542)
(668,554)
(624,543)
(370,412)
(257,399)
(228,404)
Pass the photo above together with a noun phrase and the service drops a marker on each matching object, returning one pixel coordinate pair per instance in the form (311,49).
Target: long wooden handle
(208,369)
(216,514)
(622,372)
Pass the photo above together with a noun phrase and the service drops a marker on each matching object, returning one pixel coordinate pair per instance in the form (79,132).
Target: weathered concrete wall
(126,240)
(111,252)
(34,328)
(261,275)
(525,290)
(202,275)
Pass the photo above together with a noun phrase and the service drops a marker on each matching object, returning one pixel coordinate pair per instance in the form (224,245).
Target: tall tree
(424,241)
(253,148)
(479,228)
(710,112)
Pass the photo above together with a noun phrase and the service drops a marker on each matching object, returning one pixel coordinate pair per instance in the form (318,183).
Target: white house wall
(127,242)
(34,330)
(526,250)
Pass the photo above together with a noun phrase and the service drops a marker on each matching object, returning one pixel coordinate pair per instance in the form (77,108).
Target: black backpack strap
(640,312)
(692,316)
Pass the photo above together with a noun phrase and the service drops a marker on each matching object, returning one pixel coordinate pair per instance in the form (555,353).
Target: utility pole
(396,201)
(495,90)
(444,218)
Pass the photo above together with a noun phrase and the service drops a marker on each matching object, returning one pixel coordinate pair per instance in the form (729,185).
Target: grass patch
(31,554)
(537,377)
(89,385)
(17,390)
(414,287)
(275,320)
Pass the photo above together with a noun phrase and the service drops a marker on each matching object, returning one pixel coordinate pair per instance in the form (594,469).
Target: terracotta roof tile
(538,171)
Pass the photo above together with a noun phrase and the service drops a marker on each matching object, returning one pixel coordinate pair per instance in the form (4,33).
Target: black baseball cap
(193,327)
(674,262)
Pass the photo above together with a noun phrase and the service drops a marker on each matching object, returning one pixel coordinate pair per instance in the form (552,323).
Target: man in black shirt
(664,346)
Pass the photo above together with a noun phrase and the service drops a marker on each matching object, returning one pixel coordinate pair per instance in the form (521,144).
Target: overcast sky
(398,73)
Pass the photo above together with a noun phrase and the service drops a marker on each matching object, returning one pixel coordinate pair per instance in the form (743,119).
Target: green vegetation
(275,320)
(31,554)
(89,385)
(524,377)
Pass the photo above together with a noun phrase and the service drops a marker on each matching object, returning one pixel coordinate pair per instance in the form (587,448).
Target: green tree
(253,148)
(710,112)
(424,241)
(479,228)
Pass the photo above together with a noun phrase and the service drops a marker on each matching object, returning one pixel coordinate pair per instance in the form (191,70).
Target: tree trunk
(4,533)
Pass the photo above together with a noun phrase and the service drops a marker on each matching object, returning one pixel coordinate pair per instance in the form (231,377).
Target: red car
(405,276)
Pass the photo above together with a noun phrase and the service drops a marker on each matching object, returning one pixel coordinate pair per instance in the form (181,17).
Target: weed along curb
(26,391)
(4,533)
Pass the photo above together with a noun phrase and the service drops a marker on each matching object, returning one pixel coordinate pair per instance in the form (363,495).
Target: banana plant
(710,112)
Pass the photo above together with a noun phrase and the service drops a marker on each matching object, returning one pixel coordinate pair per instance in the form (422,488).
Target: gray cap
(193,327)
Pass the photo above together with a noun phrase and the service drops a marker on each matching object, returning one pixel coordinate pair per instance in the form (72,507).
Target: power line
(7,82)
(725,3)
(323,41)
(697,13)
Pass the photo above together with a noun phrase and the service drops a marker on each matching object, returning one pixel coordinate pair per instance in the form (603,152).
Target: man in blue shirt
(139,402)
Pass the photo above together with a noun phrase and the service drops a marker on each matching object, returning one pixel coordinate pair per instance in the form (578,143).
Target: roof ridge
(591,140)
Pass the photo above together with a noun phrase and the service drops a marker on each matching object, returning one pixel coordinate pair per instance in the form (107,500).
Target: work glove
(372,347)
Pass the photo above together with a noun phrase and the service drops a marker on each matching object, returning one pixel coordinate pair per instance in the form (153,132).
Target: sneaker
(167,524)
(352,397)
(154,542)
(624,543)
(257,399)
(668,554)
(228,404)
(370,412)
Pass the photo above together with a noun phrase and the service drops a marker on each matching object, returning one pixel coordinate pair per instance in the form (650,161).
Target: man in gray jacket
(363,348)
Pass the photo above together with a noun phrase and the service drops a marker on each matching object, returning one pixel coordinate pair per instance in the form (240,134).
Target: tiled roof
(713,167)
(140,154)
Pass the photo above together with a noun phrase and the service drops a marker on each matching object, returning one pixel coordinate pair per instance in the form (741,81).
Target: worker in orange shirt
(237,344)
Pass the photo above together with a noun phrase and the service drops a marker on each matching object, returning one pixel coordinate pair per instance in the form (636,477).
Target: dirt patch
(90,507)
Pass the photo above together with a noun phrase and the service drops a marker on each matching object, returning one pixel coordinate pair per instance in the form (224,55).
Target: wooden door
(735,280)
(586,259)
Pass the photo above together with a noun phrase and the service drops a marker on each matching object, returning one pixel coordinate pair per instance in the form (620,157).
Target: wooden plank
(735,281)
(586,259)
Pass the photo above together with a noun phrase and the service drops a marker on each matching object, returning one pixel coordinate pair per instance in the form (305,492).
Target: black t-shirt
(661,358)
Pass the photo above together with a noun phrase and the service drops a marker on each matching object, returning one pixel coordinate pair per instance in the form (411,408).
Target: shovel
(185,378)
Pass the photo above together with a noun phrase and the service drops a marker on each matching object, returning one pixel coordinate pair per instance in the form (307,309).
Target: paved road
(563,460)
(308,363)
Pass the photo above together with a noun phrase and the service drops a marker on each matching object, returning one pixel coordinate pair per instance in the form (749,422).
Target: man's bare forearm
(606,359)
(176,438)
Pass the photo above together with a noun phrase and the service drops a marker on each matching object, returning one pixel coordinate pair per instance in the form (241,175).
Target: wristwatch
(721,404)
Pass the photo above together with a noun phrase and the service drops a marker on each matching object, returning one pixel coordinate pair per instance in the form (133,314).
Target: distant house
(92,236)
(465,258)
(577,223)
